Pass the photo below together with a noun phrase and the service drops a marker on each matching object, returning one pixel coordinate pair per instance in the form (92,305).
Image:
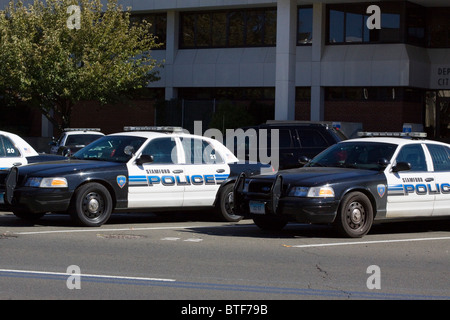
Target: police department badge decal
(121,181)
(381,188)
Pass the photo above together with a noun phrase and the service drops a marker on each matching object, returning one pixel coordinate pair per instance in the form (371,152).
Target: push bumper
(305,210)
(37,200)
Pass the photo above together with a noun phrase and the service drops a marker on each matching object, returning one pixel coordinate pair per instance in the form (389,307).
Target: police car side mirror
(401,166)
(383,163)
(303,160)
(144,158)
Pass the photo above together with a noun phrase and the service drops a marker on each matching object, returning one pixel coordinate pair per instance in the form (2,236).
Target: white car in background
(15,151)
(73,139)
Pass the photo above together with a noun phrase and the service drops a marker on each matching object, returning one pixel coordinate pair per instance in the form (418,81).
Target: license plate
(2,198)
(257,207)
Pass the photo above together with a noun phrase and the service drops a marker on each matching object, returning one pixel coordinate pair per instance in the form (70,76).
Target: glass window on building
(347,23)
(438,28)
(231,28)
(304,22)
(158,26)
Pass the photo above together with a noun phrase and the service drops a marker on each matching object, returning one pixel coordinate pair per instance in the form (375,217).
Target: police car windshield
(110,148)
(359,155)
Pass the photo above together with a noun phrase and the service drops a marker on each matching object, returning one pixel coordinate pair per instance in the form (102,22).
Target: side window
(7,148)
(441,157)
(197,151)
(414,155)
(311,139)
(163,150)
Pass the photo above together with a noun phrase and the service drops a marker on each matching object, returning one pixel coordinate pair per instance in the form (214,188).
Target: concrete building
(382,63)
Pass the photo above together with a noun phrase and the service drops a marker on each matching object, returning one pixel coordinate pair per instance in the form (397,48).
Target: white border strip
(366,242)
(83,275)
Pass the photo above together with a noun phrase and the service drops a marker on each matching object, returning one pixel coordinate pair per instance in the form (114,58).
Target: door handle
(177,171)
(220,170)
(429,179)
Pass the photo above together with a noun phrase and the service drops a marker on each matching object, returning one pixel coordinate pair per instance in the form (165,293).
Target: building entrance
(437,115)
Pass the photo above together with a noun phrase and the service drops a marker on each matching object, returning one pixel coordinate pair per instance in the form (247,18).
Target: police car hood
(59,168)
(310,176)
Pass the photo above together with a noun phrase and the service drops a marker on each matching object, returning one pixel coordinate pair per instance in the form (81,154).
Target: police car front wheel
(225,204)
(91,205)
(355,215)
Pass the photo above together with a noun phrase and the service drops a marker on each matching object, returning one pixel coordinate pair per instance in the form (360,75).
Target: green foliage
(51,66)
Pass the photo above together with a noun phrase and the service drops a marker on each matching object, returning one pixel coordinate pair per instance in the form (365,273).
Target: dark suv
(298,140)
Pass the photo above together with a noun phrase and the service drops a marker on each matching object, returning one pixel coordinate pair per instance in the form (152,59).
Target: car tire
(270,223)
(225,204)
(355,215)
(92,205)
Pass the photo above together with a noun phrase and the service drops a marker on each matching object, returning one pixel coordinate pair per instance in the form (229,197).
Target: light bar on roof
(153,128)
(81,129)
(392,134)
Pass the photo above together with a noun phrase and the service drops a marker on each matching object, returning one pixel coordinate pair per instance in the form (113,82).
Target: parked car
(142,168)
(297,141)
(15,151)
(73,139)
(352,184)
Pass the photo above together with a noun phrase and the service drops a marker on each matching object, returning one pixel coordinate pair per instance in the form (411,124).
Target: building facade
(381,63)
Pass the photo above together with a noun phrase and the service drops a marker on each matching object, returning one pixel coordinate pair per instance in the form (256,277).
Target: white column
(318,43)
(285,60)
(171,52)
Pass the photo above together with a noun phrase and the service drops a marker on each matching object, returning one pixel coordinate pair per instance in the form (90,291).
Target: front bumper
(305,210)
(38,200)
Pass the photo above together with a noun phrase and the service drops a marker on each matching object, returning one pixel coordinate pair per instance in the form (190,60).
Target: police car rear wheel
(225,205)
(355,216)
(92,205)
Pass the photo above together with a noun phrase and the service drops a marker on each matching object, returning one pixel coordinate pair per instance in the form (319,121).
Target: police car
(354,183)
(73,139)
(152,168)
(15,151)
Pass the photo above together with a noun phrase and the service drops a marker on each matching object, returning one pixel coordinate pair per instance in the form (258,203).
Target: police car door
(9,154)
(205,170)
(408,194)
(440,155)
(154,184)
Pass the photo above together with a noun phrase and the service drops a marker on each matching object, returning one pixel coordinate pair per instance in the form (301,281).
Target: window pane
(304,35)
(187,30)
(270,27)
(255,28)
(235,29)
(336,27)
(219,28)
(390,27)
(441,157)
(203,30)
(353,27)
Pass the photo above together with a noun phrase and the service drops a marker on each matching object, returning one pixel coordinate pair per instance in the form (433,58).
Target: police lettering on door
(177,180)
(419,188)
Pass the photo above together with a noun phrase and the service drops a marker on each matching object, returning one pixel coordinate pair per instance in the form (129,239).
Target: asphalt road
(188,257)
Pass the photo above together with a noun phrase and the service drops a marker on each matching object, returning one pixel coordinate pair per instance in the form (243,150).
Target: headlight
(313,192)
(47,183)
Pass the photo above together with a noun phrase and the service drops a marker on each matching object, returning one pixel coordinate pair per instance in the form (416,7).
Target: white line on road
(365,242)
(83,275)
(118,229)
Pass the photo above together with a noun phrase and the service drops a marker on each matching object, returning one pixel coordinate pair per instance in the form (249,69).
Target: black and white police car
(153,168)
(15,151)
(354,183)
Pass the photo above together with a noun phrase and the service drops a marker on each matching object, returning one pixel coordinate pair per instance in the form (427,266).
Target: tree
(53,55)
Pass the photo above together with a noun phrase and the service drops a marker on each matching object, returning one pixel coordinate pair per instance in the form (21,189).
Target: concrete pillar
(285,60)
(171,52)
(318,44)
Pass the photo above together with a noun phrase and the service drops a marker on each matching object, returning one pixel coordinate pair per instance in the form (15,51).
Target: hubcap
(93,205)
(356,215)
